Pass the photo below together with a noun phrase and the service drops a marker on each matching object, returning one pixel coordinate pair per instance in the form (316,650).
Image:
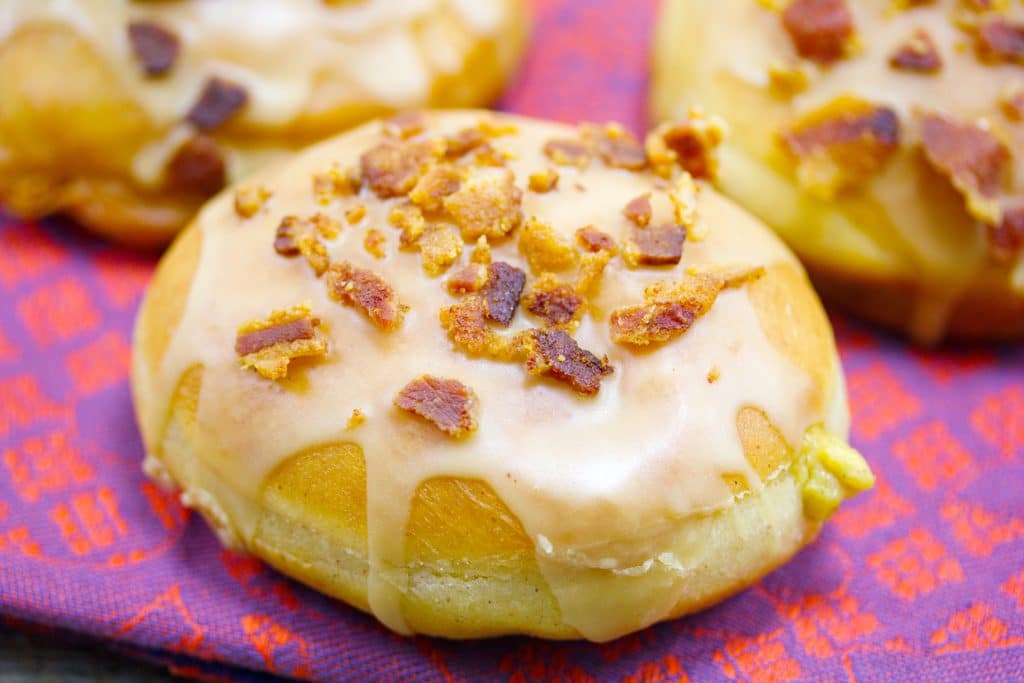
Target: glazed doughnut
(883,140)
(128,115)
(480,374)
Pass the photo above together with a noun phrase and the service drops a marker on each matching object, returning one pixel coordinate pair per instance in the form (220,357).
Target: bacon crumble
(367,291)
(554,302)
(468,279)
(820,29)
(296,236)
(842,144)
(1011,101)
(219,100)
(332,184)
(638,210)
(654,245)
(448,404)
(999,40)
(249,199)
(617,147)
(566,152)
(465,141)
(197,166)
(440,247)
(355,420)
(555,354)
(374,242)
(543,181)
(465,321)
(592,267)
(691,144)
(917,54)
(671,308)
(355,213)
(268,346)
(438,182)
(405,124)
(974,160)
(545,249)
(482,251)
(501,292)
(155,47)
(486,204)
(593,240)
(392,167)
(409,219)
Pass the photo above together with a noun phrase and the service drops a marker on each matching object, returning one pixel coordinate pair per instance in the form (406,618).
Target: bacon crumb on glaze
(567,152)
(375,243)
(439,181)
(999,40)
(501,292)
(448,404)
(440,247)
(594,240)
(616,146)
(671,308)
(296,236)
(392,167)
(971,157)
(365,290)
(268,346)
(219,101)
(249,199)
(1011,101)
(466,280)
(554,302)
(543,181)
(333,184)
(690,143)
(486,204)
(155,47)
(638,210)
(405,124)
(842,144)
(820,29)
(917,54)
(544,248)
(660,244)
(555,354)
(196,166)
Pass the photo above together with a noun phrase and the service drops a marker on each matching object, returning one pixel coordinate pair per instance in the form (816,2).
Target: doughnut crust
(128,115)
(462,424)
(884,141)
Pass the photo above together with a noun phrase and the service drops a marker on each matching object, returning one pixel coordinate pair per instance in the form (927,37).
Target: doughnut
(127,115)
(479,374)
(883,140)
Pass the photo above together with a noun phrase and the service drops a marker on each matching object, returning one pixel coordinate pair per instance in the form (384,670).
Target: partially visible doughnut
(128,115)
(884,141)
(480,374)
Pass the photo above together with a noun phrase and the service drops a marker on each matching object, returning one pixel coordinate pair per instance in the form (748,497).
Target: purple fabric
(921,579)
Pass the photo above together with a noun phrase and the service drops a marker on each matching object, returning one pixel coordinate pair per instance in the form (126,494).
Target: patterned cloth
(921,579)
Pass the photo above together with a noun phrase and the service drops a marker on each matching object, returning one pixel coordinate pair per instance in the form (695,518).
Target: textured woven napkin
(921,579)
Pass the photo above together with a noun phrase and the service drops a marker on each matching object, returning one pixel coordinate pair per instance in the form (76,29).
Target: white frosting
(595,481)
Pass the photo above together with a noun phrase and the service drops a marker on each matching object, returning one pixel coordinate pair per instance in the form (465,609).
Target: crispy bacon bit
(999,40)
(296,236)
(219,101)
(155,47)
(374,242)
(552,301)
(820,29)
(249,199)
(487,204)
(405,124)
(466,325)
(1006,240)
(545,249)
(556,354)
(448,404)
(468,279)
(438,182)
(482,251)
(367,291)
(568,152)
(197,166)
(593,240)
(638,210)
(670,308)
(501,293)
(691,144)
(332,184)
(543,181)
(788,79)
(591,269)
(616,146)
(268,346)
(654,245)
(410,221)
(355,213)
(714,374)
(464,142)
(842,144)
(918,53)
(355,420)
(440,247)
(973,159)
(392,167)
(1012,101)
